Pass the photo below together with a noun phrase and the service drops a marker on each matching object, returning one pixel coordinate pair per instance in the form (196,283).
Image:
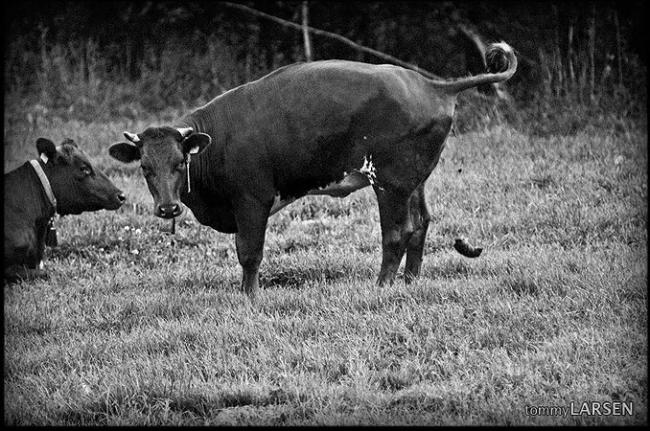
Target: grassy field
(136,326)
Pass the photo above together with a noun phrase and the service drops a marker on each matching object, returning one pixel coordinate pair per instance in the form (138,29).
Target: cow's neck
(209,203)
(207,167)
(24,190)
(209,192)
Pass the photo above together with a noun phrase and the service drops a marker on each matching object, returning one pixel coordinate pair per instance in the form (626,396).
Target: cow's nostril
(121,197)
(171,210)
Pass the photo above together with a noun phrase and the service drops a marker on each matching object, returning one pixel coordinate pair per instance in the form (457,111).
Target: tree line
(578,49)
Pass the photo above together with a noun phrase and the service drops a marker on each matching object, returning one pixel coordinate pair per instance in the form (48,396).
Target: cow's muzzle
(116,201)
(168,211)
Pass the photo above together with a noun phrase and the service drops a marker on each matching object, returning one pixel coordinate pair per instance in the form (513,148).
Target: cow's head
(76,184)
(162,152)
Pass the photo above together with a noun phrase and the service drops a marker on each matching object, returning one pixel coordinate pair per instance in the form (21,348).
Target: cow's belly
(351,182)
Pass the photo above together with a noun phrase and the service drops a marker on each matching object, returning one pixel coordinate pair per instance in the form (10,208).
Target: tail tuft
(497,57)
(501,63)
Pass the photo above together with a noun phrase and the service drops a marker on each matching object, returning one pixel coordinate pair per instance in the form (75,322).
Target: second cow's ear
(195,143)
(124,152)
(46,149)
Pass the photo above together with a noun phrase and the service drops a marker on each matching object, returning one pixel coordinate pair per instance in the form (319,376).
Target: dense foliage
(93,58)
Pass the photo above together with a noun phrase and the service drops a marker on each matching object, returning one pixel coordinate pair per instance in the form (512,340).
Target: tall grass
(78,81)
(81,81)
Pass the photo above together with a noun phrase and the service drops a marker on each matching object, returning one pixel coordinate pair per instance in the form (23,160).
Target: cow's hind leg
(396,231)
(420,217)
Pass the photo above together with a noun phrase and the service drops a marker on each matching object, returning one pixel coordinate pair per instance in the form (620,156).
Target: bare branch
(338,37)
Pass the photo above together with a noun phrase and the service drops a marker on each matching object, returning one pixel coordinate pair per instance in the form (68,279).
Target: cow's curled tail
(501,65)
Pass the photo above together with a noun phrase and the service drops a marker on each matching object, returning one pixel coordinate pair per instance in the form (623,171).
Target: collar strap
(44,182)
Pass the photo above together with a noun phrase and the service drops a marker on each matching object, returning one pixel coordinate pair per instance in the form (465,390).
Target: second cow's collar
(44,182)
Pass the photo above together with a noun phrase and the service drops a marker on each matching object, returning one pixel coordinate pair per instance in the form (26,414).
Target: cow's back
(325,96)
(306,124)
(318,97)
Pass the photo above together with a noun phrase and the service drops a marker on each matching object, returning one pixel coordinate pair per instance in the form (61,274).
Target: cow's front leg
(251,216)
(396,231)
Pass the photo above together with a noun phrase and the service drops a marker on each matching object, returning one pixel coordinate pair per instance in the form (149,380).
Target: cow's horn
(185,131)
(132,137)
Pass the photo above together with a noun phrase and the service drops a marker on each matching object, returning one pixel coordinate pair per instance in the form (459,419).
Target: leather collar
(44,182)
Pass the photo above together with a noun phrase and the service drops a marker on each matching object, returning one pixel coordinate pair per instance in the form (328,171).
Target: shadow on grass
(521,286)
(297,276)
(194,407)
(458,267)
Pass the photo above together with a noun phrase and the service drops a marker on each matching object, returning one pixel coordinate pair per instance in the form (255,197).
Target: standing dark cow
(325,127)
(64,181)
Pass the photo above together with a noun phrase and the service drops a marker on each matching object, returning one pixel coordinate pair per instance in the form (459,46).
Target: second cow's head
(162,152)
(77,185)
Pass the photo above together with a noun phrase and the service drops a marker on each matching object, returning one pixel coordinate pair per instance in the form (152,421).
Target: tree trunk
(558,69)
(619,51)
(572,75)
(546,71)
(305,30)
(592,51)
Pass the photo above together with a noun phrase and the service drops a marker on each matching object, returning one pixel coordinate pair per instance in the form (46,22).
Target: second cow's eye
(180,166)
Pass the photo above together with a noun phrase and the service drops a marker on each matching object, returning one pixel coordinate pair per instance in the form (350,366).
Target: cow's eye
(180,166)
(86,170)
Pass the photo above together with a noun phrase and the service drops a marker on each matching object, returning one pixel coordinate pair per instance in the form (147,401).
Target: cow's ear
(124,152)
(46,149)
(195,143)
